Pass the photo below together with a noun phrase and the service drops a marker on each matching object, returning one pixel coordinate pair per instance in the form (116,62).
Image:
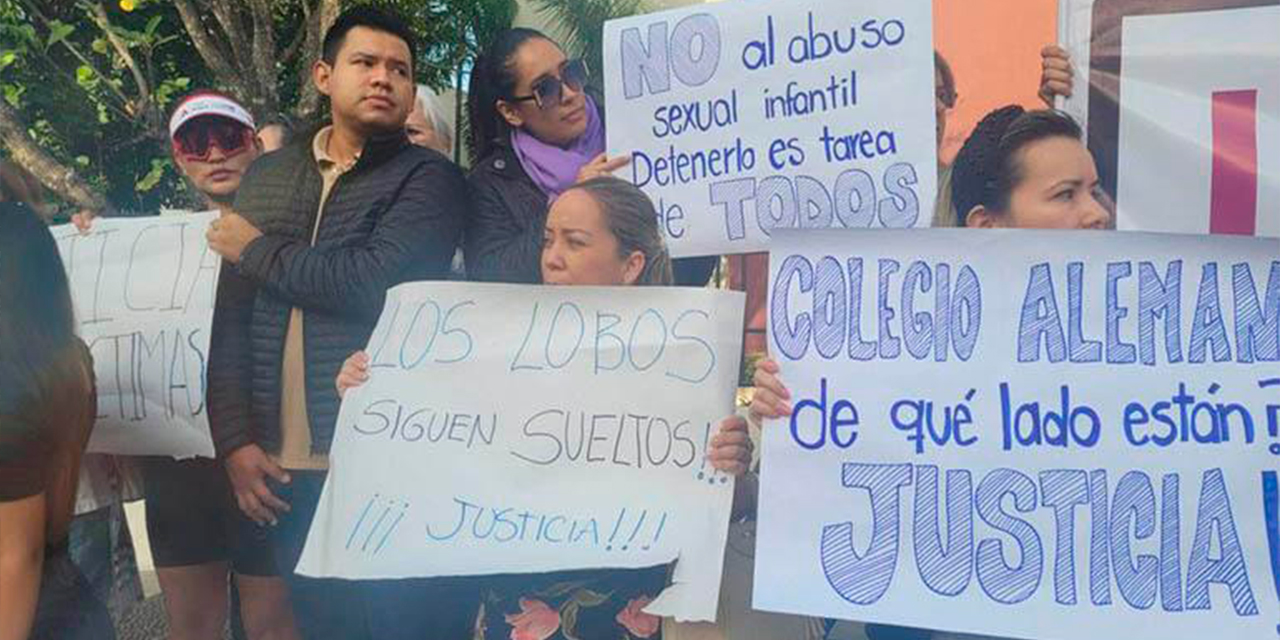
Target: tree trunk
(264,50)
(61,180)
(243,62)
(322,17)
(213,55)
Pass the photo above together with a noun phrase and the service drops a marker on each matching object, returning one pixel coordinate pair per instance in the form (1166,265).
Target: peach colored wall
(994,48)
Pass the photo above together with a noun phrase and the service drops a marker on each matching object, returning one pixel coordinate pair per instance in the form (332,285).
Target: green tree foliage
(85,85)
(582,22)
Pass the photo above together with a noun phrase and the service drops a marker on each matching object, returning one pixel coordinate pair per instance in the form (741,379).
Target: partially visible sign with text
(746,116)
(1049,435)
(143,290)
(1181,99)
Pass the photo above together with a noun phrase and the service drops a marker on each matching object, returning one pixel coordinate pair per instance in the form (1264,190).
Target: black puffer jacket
(504,234)
(395,217)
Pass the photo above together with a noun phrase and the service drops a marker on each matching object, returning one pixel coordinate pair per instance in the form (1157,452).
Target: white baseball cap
(199,105)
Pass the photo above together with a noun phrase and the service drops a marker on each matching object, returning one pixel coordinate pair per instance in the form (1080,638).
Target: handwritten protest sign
(511,429)
(143,290)
(751,115)
(1182,103)
(1028,434)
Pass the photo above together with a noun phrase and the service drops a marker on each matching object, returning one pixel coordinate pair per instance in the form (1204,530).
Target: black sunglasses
(548,91)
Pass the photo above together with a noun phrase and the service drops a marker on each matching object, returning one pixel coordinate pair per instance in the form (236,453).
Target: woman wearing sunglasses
(197,533)
(535,131)
(214,142)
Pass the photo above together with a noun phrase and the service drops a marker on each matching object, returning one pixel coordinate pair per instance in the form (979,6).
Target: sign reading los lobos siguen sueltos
(519,429)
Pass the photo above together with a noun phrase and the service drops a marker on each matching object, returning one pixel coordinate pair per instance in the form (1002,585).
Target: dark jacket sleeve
(500,248)
(423,224)
(230,363)
(694,272)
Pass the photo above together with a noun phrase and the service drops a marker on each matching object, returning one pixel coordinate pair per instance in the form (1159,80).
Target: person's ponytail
(493,79)
(657,268)
(633,220)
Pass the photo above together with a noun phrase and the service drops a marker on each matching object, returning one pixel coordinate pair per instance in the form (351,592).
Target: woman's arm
(731,451)
(355,372)
(1057,78)
(21,561)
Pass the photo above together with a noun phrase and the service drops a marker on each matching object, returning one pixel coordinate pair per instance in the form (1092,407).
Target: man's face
(370,83)
(215,163)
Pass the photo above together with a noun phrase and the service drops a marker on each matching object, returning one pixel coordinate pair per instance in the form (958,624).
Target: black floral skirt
(579,605)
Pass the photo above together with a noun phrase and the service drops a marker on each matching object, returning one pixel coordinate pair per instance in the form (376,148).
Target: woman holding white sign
(601,232)
(535,131)
(1018,169)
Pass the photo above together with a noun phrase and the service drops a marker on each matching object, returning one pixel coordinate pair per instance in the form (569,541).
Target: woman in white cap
(214,141)
(198,535)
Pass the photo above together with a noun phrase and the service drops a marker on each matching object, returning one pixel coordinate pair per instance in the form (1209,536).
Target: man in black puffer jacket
(329,224)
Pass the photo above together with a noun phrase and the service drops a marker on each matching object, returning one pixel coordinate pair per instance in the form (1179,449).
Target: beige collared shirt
(295,427)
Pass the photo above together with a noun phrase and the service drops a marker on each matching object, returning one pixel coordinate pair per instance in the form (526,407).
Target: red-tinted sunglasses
(197,138)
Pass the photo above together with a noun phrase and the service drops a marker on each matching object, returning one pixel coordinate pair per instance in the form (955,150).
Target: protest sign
(1025,433)
(751,115)
(143,290)
(510,429)
(1181,99)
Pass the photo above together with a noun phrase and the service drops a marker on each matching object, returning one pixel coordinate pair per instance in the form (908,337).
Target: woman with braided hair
(1018,169)
(1028,170)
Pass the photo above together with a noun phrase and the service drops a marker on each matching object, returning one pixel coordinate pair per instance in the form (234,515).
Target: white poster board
(143,290)
(510,429)
(1025,434)
(745,116)
(1182,103)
